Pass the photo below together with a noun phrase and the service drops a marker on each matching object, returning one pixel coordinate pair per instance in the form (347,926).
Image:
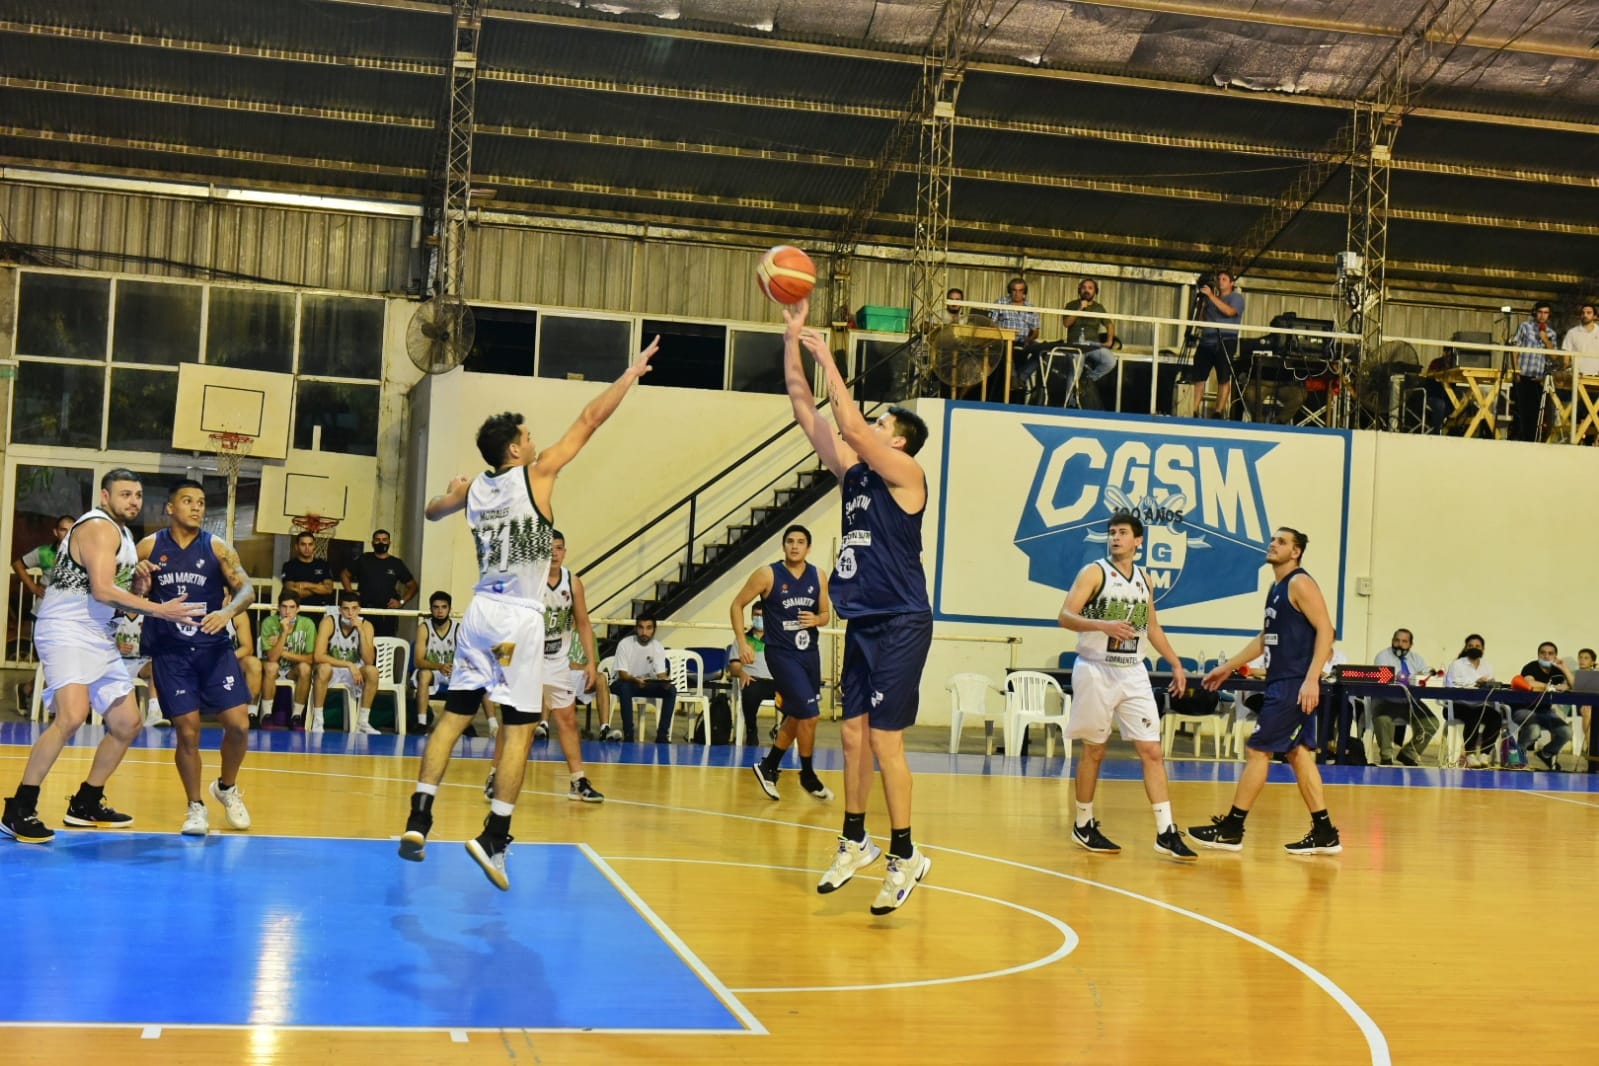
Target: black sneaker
(24,826)
(1170,844)
(1220,833)
(96,815)
(582,791)
(489,853)
(414,841)
(1408,759)
(767,779)
(814,786)
(1314,843)
(1090,838)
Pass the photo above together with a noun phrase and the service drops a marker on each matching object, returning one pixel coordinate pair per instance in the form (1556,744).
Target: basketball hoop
(320,528)
(232,450)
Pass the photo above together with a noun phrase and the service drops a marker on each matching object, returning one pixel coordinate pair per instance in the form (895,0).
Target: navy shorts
(798,678)
(883,661)
(205,678)
(1283,725)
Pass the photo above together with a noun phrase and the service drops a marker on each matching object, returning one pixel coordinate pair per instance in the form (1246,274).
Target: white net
(232,450)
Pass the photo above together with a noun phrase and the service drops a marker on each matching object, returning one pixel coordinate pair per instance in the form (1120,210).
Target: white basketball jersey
(1120,599)
(558,620)
(67,598)
(513,540)
(345,645)
(441,648)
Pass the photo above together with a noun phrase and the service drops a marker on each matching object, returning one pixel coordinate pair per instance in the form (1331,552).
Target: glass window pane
(699,355)
(504,341)
(63,315)
(341,337)
(59,404)
(584,349)
(156,323)
(252,329)
(348,415)
(144,406)
(757,362)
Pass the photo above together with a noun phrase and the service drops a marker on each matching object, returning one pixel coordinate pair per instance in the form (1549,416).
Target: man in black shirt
(1547,673)
(306,576)
(383,581)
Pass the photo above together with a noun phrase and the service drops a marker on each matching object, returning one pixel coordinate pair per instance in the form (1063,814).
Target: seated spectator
(1547,673)
(244,648)
(755,680)
(1083,332)
(308,577)
(957,315)
(1480,720)
(641,673)
(1026,348)
(1409,668)
(345,655)
(434,653)
(1587,660)
(287,644)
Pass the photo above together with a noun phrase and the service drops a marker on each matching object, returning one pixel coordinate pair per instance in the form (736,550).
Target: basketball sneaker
(849,858)
(1220,833)
(232,801)
(489,853)
(414,841)
(96,814)
(767,779)
(1089,838)
(814,786)
(317,724)
(541,731)
(1170,844)
(901,880)
(581,790)
(196,823)
(1325,842)
(24,826)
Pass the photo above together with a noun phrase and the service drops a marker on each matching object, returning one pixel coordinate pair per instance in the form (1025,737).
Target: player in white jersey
(345,655)
(433,651)
(500,649)
(1112,612)
(96,575)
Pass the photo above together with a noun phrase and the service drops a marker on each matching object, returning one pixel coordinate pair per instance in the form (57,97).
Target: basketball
(786,275)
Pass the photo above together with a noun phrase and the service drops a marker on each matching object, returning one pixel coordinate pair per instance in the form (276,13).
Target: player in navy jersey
(1296,641)
(879,586)
(793,599)
(195,667)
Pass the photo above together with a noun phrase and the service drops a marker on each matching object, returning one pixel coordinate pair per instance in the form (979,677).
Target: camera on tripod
(1207,278)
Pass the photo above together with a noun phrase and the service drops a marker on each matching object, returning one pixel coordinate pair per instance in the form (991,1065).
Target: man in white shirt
(641,673)
(1583,339)
(1481,720)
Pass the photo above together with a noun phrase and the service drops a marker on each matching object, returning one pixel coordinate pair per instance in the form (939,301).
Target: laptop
(1585,681)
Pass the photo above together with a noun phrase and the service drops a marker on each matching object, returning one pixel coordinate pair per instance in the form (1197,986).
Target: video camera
(1207,278)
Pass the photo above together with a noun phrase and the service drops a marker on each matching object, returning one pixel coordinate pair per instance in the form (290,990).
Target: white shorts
(564,686)
(1101,693)
(346,675)
(500,648)
(435,686)
(73,655)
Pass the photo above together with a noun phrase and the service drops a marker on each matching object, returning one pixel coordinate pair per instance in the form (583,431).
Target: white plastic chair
(968,698)
(1027,702)
(690,697)
(1215,724)
(140,692)
(392,657)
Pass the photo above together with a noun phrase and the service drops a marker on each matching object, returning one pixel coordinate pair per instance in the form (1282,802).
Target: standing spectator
(308,577)
(1583,340)
(383,580)
(1218,346)
(42,559)
(1409,668)
(641,674)
(1547,673)
(1537,359)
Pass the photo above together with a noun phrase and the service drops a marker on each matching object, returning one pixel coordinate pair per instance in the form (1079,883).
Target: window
(348,415)
(587,349)
(252,329)
(757,362)
(62,315)
(504,342)
(144,406)
(58,404)
(156,323)
(699,354)
(341,337)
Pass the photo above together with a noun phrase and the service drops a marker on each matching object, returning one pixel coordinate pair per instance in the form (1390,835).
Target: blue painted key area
(160,929)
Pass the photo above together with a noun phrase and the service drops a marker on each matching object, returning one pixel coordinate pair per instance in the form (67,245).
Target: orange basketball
(786,275)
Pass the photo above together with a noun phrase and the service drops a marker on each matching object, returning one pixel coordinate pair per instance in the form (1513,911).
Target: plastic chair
(968,698)
(392,656)
(1026,702)
(689,697)
(36,711)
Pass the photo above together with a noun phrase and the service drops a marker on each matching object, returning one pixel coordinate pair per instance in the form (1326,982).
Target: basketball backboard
(327,484)
(221,399)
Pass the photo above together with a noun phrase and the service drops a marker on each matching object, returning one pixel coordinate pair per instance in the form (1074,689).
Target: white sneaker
(232,805)
(492,862)
(196,824)
(316,722)
(494,726)
(901,880)
(367,729)
(152,713)
(849,858)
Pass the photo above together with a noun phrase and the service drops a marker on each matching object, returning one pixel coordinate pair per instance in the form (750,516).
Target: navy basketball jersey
(196,572)
(1290,638)
(879,567)
(782,606)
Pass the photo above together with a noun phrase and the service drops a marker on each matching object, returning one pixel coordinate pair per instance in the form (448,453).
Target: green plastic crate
(882,319)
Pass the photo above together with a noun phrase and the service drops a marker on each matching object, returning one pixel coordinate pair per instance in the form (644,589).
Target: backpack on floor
(721,716)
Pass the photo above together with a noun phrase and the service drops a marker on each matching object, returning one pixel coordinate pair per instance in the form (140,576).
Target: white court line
(150,1032)
(664,931)
(1069,939)
(457,1036)
(1560,799)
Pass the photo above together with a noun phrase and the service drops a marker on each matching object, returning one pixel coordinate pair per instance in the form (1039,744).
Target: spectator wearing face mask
(1473,670)
(1409,668)
(755,678)
(1547,673)
(383,581)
